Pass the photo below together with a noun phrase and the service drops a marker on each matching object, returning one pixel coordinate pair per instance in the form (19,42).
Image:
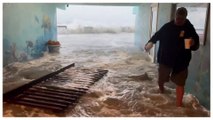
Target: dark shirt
(171,50)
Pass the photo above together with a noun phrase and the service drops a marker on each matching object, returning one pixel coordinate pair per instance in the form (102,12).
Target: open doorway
(103,25)
(92,33)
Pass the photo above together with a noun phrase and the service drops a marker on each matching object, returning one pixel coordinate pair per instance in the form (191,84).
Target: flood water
(128,90)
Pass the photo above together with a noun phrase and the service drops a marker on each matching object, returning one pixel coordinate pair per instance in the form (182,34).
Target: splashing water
(129,89)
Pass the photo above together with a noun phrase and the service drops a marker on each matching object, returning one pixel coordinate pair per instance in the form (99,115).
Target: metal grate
(56,91)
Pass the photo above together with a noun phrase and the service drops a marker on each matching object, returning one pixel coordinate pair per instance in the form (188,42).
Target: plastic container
(188,43)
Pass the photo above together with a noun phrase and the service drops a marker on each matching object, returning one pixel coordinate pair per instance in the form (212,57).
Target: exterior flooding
(27,27)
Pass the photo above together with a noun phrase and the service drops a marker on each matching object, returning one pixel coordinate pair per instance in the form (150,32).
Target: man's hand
(148,46)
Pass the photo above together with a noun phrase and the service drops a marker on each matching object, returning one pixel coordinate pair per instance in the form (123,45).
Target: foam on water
(129,89)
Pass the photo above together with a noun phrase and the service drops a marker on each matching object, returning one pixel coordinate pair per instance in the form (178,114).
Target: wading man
(176,41)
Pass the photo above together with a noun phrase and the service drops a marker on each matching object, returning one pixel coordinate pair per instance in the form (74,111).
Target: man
(173,57)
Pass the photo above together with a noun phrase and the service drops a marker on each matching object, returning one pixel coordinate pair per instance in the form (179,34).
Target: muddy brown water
(128,90)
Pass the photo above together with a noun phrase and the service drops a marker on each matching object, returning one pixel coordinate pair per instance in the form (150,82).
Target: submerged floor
(129,89)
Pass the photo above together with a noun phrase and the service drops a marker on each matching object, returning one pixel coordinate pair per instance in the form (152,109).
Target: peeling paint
(26,38)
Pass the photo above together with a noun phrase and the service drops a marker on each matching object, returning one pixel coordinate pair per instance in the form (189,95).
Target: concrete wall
(198,82)
(26,29)
(142,25)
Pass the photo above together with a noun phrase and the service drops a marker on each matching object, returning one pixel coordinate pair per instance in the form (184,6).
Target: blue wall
(26,29)
(198,82)
(142,24)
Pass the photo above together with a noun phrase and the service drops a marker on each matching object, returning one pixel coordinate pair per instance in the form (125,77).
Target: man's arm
(195,37)
(155,37)
(152,41)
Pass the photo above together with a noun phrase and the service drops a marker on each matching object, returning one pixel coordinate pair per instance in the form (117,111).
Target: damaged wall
(26,29)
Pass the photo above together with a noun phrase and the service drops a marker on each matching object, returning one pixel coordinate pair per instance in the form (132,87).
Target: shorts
(165,74)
